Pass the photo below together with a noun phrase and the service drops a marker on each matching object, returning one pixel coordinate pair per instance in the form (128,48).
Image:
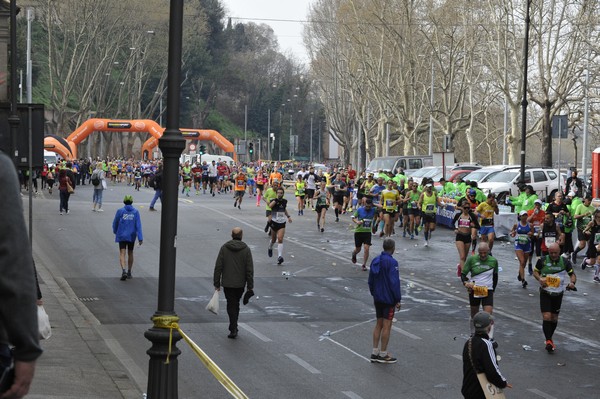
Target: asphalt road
(309,335)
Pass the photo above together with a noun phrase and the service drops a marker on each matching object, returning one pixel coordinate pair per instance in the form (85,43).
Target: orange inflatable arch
(67,148)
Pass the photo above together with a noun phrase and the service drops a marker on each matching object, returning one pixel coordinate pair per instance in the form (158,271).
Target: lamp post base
(162,372)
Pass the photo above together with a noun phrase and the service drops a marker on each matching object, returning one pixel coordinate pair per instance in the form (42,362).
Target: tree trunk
(546,158)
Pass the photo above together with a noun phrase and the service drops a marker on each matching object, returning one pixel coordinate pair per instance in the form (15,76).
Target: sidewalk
(77,362)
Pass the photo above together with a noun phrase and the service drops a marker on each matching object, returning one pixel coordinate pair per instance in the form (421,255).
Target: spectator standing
(99,177)
(479,356)
(384,285)
(66,178)
(574,184)
(18,310)
(234,271)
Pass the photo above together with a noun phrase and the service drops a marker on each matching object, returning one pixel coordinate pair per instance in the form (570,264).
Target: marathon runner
(483,271)
(300,193)
(240,188)
(522,232)
(486,211)
(390,197)
(363,218)
(428,203)
(466,227)
(279,216)
(186,175)
(322,198)
(311,185)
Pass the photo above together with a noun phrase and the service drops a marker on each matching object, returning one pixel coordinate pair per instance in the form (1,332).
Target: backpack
(96,178)
(151,182)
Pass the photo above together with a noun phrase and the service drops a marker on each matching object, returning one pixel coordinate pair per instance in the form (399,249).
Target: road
(309,335)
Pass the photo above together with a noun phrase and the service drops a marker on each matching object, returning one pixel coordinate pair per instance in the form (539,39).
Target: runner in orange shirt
(536,217)
(240,188)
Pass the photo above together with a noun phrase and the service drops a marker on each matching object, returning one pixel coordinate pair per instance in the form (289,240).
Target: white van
(217,158)
(408,163)
(51,158)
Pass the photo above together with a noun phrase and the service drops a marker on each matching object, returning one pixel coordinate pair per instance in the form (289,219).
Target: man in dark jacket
(384,284)
(18,312)
(479,356)
(157,187)
(234,270)
(574,184)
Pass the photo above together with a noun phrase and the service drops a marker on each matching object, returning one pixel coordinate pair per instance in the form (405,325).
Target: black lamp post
(162,375)
(524,101)
(13,119)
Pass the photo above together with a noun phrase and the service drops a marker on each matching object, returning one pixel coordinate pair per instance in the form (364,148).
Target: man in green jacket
(234,270)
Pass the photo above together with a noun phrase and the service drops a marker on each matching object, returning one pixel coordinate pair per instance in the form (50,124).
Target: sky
(283,16)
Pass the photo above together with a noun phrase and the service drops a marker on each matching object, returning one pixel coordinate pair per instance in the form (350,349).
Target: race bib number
(553,281)
(301,191)
(389,203)
(597,238)
(464,223)
(480,291)
(559,221)
(429,208)
(522,238)
(413,205)
(367,223)
(549,241)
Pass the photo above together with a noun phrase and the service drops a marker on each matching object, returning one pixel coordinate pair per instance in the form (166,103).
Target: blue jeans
(64,200)
(97,197)
(157,195)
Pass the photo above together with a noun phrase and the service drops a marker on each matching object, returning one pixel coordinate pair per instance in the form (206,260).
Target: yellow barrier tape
(170,322)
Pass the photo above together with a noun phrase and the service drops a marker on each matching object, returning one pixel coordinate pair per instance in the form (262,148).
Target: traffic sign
(192,147)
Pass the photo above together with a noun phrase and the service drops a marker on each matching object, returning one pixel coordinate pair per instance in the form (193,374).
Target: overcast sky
(285,13)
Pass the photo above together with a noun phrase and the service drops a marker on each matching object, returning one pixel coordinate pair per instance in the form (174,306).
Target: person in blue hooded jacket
(384,284)
(127,226)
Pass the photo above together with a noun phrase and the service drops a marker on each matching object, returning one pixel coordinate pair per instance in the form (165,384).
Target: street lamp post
(311,134)
(162,374)
(524,101)
(269,133)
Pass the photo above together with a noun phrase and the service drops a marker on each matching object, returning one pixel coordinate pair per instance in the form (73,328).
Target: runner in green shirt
(583,216)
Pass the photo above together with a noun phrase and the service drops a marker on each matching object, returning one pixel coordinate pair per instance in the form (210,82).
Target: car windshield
(503,177)
(476,175)
(432,172)
(381,164)
(421,172)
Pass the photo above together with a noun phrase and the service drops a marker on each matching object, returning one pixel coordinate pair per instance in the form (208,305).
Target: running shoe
(267,228)
(597,279)
(530,269)
(129,276)
(270,252)
(573,257)
(426,243)
(337,219)
(239,207)
(353,257)
(364,268)
(322,229)
(519,277)
(387,359)
(124,276)
(152,209)
(374,358)
(550,347)
(584,264)
(412,237)
(280,260)
(404,234)
(524,283)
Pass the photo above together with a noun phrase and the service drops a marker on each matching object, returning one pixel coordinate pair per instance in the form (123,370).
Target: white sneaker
(426,243)
(100,210)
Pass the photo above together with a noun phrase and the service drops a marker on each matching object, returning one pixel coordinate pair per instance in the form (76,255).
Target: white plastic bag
(213,304)
(44,323)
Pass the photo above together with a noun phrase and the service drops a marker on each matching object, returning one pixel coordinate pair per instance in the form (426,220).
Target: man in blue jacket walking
(384,284)
(127,226)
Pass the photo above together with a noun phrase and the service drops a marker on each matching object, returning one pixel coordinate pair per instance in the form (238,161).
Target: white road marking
(351,395)
(348,349)
(459,357)
(303,363)
(404,332)
(254,332)
(542,394)
(352,326)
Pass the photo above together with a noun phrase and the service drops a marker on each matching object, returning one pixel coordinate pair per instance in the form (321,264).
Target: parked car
(483,174)
(435,172)
(451,176)
(408,163)
(545,183)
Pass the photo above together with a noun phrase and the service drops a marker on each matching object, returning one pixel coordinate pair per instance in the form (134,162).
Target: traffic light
(251,148)
(202,149)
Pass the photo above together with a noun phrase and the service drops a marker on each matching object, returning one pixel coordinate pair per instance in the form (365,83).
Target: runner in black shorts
(322,198)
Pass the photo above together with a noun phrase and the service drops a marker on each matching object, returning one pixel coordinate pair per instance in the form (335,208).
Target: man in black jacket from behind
(479,356)
(234,270)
